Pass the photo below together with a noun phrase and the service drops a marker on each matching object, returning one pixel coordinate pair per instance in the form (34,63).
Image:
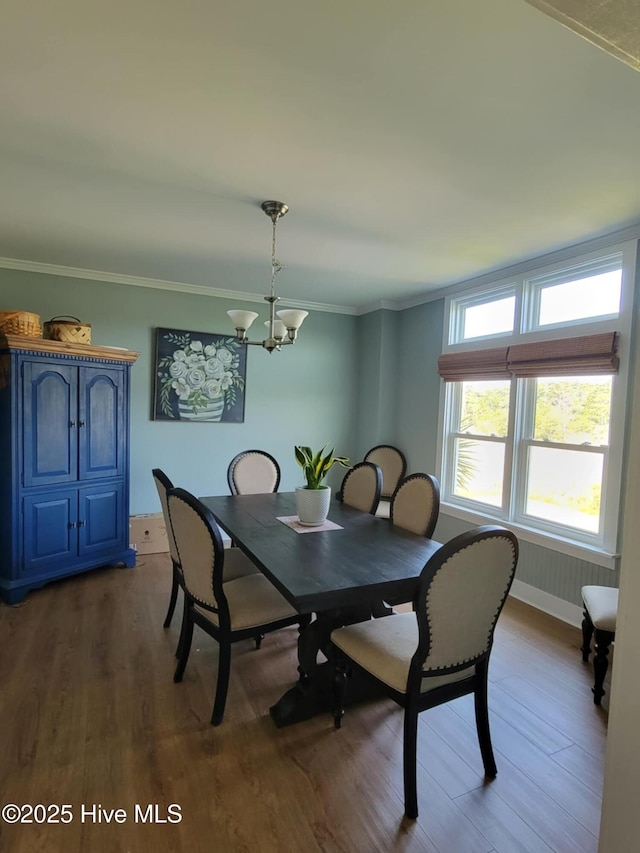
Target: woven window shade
(583,356)
(474,365)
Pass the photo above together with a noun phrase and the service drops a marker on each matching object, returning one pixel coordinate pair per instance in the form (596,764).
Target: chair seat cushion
(253,601)
(384,647)
(237,565)
(384,509)
(601,603)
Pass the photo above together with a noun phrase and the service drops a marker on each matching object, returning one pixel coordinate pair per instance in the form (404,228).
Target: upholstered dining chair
(163,484)
(393,464)
(236,563)
(227,610)
(441,651)
(415,504)
(600,616)
(361,487)
(253,472)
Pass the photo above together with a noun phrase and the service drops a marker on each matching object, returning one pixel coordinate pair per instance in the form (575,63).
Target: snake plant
(316,466)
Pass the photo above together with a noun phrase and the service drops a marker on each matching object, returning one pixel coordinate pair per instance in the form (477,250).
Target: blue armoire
(64,461)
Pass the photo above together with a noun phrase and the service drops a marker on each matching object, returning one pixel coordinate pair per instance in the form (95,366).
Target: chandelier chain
(276,266)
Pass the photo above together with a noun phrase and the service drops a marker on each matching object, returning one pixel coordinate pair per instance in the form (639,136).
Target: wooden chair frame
(414,701)
(239,457)
(435,508)
(222,633)
(387,494)
(178,580)
(378,479)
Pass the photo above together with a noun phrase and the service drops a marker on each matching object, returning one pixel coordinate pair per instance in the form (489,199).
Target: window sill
(545,540)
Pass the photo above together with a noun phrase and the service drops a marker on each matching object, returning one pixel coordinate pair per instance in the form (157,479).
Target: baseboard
(551,604)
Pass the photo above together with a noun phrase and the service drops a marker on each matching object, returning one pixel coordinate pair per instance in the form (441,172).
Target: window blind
(586,355)
(474,364)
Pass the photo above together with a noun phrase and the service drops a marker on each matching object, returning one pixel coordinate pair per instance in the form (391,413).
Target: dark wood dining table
(341,576)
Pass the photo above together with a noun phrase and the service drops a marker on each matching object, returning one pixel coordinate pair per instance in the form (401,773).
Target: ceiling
(418,143)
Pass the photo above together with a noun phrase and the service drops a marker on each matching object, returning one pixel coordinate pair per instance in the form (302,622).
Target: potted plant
(313,499)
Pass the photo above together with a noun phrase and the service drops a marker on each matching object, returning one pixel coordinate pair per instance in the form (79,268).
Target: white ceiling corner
(613,25)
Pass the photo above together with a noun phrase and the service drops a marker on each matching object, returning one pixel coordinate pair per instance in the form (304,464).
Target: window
(533,429)
(587,292)
(483,316)
(479,441)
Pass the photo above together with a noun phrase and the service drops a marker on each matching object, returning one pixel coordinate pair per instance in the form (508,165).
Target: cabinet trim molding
(21,343)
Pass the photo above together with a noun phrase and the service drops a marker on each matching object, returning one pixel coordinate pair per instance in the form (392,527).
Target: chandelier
(282,325)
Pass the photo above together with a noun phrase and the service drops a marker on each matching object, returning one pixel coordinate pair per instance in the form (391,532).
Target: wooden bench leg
(601,662)
(587,633)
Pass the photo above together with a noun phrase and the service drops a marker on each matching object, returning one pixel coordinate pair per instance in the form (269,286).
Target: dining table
(339,573)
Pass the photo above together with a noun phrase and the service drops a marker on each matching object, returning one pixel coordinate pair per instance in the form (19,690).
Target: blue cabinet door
(50,529)
(102,422)
(50,413)
(101,518)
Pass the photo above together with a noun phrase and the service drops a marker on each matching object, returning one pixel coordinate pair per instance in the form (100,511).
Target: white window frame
(601,548)
(535,284)
(493,294)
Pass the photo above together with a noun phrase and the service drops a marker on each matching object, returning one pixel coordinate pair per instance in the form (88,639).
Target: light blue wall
(377,399)
(399,387)
(418,384)
(302,395)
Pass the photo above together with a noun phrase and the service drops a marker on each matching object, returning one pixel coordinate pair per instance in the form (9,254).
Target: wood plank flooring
(89,715)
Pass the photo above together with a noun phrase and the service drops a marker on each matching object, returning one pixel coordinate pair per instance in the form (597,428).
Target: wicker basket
(67,329)
(20,323)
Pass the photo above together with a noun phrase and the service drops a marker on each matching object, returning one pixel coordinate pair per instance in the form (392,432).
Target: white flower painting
(199,377)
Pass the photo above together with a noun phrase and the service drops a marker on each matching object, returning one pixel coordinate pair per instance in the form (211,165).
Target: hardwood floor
(89,715)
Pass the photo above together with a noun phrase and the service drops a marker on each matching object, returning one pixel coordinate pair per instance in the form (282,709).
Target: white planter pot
(313,505)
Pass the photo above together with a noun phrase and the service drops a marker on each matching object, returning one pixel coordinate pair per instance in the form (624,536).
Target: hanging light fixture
(282,325)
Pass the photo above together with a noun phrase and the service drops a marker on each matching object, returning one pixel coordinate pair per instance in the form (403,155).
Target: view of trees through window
(574,411)
(564,440)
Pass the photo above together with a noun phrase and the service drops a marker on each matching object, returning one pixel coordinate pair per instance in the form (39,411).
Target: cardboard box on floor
(148,534)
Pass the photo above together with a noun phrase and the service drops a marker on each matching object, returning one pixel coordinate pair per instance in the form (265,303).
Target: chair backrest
(463,588)
(199,547)
(393,464)
(163,484)
(361,487)
(253,472)
(416,503)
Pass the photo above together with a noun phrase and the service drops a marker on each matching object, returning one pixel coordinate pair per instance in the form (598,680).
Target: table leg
(313,694)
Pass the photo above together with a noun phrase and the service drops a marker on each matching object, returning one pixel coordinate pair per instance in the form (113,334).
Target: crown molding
(379,305)
(161,284)
(632,232)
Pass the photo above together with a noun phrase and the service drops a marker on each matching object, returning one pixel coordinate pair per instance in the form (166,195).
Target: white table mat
(293,522)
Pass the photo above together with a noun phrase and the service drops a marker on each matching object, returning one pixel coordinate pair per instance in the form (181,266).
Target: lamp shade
(242,319)
(292,317)
(279,329)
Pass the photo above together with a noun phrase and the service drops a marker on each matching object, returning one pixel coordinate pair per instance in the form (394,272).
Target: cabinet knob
(72,424)
(72,524)
(81,523)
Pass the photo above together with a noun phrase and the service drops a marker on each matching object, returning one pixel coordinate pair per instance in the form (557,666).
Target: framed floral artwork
(199,376)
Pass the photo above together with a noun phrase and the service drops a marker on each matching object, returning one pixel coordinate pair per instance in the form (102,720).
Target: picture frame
(199,377)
